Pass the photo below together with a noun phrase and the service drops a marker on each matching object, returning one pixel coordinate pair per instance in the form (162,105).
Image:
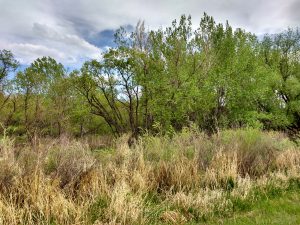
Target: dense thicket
(160,81)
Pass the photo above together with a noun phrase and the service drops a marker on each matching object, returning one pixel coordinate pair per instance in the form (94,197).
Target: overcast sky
(72,31)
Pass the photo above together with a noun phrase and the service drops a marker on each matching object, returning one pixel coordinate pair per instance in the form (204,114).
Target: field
(243,176)
(281,210)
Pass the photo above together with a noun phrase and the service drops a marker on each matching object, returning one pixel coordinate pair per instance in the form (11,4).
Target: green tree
(8,64)
(281,56)
(44,88)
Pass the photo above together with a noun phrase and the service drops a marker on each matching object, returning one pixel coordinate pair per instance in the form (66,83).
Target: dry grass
(188,177)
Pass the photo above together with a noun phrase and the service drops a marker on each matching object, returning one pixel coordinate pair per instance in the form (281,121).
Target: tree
(44,88)
(112,86)
(214,76)
(281,56)
(8,64)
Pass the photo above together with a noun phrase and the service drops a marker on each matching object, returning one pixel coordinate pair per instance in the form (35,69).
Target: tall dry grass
(174,180)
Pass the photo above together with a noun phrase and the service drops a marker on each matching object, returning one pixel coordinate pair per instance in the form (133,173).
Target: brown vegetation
(187,177)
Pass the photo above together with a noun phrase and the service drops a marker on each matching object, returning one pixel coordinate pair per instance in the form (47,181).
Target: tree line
(161,80)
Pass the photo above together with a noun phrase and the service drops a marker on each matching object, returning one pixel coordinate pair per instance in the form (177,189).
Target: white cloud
(46,41)
(59,28)
(26,53)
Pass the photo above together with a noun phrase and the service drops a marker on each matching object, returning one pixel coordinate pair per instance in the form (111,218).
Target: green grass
(280,210)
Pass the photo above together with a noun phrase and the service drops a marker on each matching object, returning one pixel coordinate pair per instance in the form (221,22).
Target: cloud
(29,52)
(294,14)
(54,42)
(74,30)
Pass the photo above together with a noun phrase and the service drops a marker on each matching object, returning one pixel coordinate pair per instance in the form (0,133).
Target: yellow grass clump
(160,179)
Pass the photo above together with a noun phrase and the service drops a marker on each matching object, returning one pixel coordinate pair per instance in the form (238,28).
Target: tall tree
(281,56)
(8,64)
(45,95)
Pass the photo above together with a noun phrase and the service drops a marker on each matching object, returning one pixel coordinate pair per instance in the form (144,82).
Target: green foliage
(281,208)
(256,150)
(160,81)
(96,210)
(7,64)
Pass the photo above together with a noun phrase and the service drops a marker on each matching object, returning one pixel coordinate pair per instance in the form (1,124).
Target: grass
(283,210)
(188,178)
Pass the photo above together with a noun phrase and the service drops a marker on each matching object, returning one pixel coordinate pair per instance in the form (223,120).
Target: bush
(256,151)
(69,162)
(8,173)
(28,161)
(184,179)
(8,167)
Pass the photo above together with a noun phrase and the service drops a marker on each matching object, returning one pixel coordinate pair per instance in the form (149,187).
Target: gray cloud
(74,30)
(294,12)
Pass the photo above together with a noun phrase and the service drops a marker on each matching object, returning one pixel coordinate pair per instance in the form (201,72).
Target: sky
(72,31)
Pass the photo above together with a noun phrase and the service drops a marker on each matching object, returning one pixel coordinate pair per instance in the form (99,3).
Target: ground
(283,210)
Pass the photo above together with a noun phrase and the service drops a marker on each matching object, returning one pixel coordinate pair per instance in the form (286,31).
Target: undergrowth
(184,178)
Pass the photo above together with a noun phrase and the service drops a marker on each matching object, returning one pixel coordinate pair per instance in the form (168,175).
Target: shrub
(256,151)
(176,175)
(8,173)
(97,210)
(28,161)
(184,179)
(8,167)
(69,162)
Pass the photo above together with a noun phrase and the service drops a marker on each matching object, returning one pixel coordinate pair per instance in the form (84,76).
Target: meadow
(186,177)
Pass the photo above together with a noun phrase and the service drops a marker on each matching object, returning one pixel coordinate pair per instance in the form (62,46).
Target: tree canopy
(213,76)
